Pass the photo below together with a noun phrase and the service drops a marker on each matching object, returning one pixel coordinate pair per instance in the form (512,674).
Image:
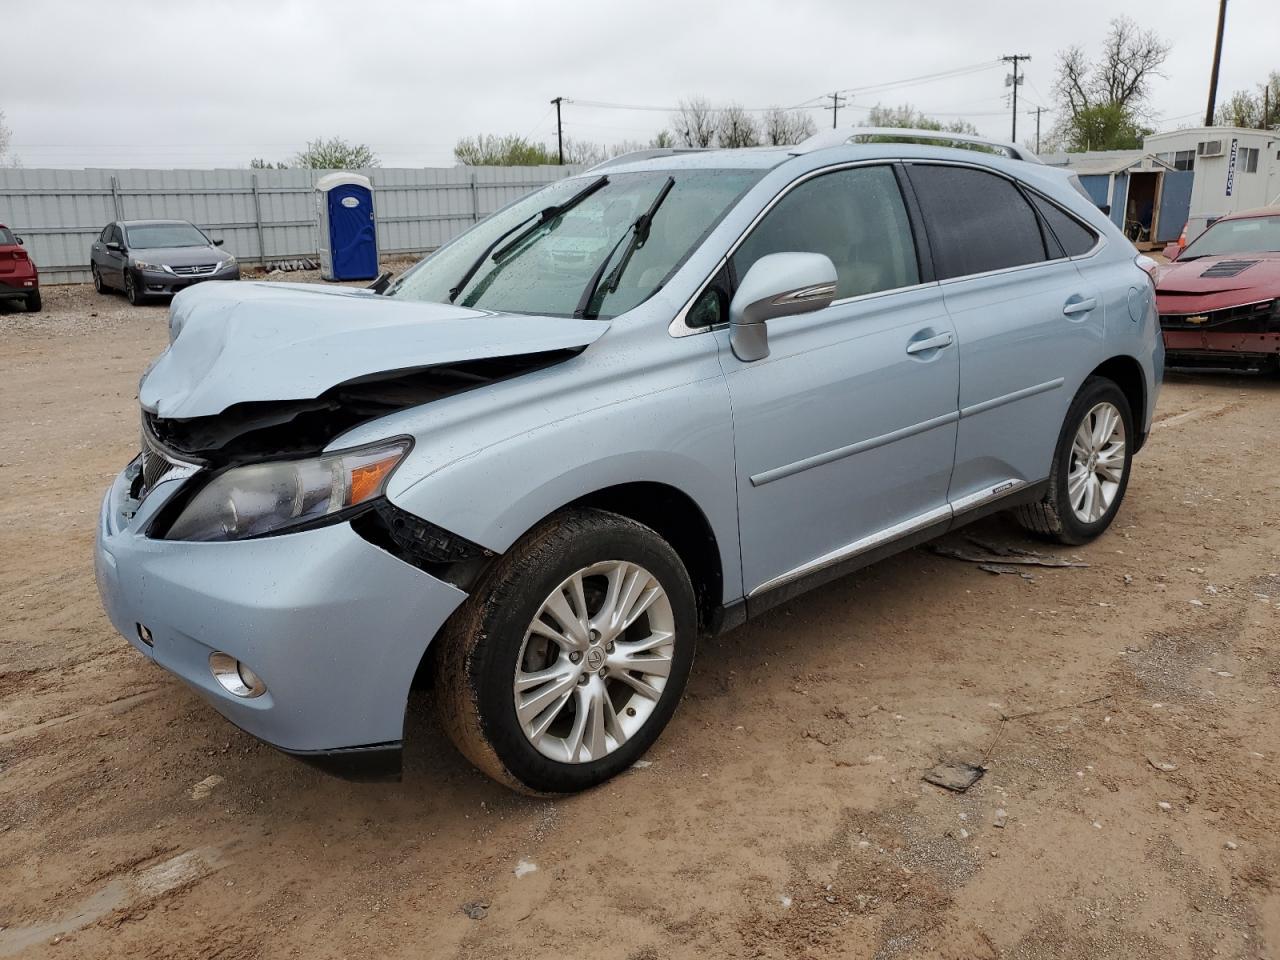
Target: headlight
(227,264)
(158,267)
(273,497)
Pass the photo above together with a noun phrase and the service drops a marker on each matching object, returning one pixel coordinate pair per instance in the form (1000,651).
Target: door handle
(1072,307)
(931,343)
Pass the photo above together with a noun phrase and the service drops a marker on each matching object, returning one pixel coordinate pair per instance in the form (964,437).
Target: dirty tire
(476,655)
(98,285)
(34,303)
(1052,517)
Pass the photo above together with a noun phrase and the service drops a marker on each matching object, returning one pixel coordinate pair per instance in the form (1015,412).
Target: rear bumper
(335,626)
(18,288)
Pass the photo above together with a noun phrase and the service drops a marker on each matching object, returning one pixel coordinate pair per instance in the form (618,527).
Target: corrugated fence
(261,215)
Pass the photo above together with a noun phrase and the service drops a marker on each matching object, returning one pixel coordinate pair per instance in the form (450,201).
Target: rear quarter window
(1075,237)
(977,221)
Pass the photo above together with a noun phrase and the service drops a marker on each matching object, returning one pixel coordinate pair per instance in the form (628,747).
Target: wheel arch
(1126,373)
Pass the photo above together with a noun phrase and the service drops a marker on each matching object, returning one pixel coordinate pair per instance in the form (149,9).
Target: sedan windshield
(165,235)
(548,269)
(1250,235)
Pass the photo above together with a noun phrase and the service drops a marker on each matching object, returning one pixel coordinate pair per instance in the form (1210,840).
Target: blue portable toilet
(348,230)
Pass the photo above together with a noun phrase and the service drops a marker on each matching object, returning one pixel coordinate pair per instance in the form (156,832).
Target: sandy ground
(1127,712)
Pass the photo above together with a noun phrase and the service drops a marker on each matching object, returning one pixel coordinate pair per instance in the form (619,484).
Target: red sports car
(1219,300)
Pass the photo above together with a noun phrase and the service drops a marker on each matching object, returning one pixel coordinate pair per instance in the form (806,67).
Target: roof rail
(836,138)
(636,155)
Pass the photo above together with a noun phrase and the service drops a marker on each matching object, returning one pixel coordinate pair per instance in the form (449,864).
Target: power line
(836,101)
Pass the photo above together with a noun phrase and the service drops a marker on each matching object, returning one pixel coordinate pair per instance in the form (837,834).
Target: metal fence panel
(260,215)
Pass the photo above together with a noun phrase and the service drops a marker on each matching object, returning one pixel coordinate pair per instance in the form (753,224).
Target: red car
(1219,300)
(19,279)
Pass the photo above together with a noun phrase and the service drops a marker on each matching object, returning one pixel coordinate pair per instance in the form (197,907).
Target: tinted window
(977,221)
(1075,237)
(106,233)
(7,237)
(856,217)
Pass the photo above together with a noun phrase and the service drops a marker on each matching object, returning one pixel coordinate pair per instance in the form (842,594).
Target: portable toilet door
(348,230)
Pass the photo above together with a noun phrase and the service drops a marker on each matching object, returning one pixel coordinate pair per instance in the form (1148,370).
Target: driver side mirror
(777,285)
(217,243)
(112,245)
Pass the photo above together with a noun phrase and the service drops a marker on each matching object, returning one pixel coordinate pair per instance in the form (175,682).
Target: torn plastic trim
(260,430)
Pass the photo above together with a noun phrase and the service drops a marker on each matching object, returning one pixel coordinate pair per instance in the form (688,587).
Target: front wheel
(136,296)
(568,660)
(98,285)
(1090,467)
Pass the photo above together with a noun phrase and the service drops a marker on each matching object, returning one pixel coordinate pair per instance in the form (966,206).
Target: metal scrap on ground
(954,776)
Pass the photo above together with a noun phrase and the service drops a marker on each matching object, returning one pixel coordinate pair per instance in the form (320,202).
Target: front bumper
(335,626)
(159,283)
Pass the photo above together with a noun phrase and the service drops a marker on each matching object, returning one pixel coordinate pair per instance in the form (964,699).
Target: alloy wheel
(594,662)
(1097,462)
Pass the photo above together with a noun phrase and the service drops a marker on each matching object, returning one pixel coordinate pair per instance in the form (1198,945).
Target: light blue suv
(643,404)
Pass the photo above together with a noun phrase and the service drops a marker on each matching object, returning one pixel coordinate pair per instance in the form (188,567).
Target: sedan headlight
(227,264)
(274,497)
(158,267)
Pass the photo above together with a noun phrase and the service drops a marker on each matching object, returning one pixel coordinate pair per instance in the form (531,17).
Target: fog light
(235,677)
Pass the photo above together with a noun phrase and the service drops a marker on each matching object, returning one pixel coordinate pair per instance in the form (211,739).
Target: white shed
(1235,169)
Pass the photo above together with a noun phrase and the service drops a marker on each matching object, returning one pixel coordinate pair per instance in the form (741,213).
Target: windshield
(165,235)
(1252,235)
(548,269)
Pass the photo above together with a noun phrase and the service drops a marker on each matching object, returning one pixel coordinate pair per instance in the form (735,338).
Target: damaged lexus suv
(638,406)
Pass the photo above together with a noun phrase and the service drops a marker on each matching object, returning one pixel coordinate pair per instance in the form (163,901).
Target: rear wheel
(571,656)
(1090,467)
(33,302)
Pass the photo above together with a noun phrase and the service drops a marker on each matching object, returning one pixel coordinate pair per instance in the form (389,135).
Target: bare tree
(736,128)
(784,127)
(335,154)
(6,138)
(1245,109)
(1104,100)
(695,123)
(908,116)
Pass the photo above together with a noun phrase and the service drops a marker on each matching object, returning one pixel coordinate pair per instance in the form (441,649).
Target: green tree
(1106,101)
(1245,109)
(510,150)
(335,154)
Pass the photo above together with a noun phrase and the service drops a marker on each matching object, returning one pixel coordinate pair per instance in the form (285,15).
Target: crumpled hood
(1231,280)
(239,342)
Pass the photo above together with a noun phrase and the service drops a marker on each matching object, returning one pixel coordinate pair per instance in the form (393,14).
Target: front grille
(156,465)
(1246,318)
(195,270)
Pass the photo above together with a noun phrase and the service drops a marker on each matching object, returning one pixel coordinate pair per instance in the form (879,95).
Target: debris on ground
(205,787)
(476,909)
(1001,568)
(955,776)
(1001,818)
(1023,558)
(1162,766)
(524,868)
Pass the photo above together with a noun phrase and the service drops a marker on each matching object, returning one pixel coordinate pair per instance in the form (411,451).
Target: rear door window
(977,221)
(854,216)
(1076,239)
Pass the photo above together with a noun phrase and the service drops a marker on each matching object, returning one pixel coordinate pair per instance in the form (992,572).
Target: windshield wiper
(639,234)
(542,216)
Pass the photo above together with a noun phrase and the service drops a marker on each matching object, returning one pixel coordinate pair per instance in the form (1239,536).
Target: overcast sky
(202,83)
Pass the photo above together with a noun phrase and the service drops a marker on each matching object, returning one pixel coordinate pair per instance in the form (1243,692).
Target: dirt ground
(1127,711)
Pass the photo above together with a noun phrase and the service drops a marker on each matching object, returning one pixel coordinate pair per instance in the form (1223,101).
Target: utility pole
(1014,81)
(1039,110)
(837,101)
(559,131)
(1217,60)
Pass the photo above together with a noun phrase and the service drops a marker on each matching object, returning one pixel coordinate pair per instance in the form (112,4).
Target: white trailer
(1235,169)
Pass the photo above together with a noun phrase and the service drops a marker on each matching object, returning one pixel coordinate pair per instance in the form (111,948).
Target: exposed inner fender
(261,430)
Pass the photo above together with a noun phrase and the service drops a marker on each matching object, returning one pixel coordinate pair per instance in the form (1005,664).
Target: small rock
(1163,805)
(1002,816)
(1230,845)
(524,868)
(642,764)
(1196,603)
(1097,825)
(205,787)
(476,909)
(1162,765)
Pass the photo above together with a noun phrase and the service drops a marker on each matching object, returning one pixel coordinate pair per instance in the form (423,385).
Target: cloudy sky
(171,83)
